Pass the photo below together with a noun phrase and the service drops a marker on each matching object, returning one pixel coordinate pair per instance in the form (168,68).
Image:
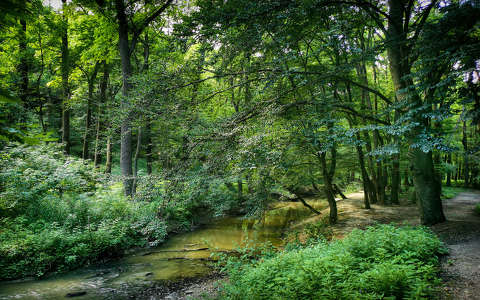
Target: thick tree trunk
(66,92)
(126,130)
(427,185)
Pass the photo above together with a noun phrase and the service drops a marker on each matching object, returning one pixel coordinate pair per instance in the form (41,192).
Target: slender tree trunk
(366,181)
(149,148)
(100,114)
(88,119)
(240,188)
(135,162)
(380,174)
(108,164)
(366,103)
(449,172)
(66,91)
(466,169)
(328,187)
(148,122)
(23,66)
(126,130)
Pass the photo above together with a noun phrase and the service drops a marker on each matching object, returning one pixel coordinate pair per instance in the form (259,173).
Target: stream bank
(182,261)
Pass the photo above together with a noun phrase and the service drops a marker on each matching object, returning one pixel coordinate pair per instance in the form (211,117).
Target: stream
(181,256)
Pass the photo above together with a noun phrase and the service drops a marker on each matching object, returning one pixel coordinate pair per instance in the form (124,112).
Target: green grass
(382,262)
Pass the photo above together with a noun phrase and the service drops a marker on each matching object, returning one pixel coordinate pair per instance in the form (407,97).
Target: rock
(172,296)
(76,294)
(149,274)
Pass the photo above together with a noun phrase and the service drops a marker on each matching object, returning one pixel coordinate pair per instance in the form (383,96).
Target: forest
(239,149)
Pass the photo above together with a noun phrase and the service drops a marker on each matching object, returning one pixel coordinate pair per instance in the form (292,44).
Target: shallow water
(177,258)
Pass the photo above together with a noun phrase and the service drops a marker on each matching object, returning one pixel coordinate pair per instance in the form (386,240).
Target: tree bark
(466,169)
(125,129)
(328,188)
(449,172)
(148,122)
(100,114)
(108,163)
(427,185)
(88,119)
(66,93)
(365,179)
(395,170)
(135,162)
(23,66)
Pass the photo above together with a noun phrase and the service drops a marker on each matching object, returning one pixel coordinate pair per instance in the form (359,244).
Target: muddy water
(182,256)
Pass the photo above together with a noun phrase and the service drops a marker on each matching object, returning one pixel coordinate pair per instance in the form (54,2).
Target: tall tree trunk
(328,184)
(125,130)
(88,119)
(100,114)
(108,163)
(66,92)
(449,172)
(395,169)
(240,188)
(466,169)
(427,185)
(135,161)
(23,66)
(366,180)
(148,122)
(367,104)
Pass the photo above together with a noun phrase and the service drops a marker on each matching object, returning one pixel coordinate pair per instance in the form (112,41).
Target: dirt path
(461,233)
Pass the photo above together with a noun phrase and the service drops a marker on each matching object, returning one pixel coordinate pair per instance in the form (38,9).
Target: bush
(382,262)
(477,209)
(59,214)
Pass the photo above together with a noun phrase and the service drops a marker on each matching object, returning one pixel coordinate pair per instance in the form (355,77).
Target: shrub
(319,231)
(382,262)
(59,214)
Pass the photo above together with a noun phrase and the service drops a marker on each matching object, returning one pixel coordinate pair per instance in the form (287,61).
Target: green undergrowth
(449,192)
(381,262)
(58,213)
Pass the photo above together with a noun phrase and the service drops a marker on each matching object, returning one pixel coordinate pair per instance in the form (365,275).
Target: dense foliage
(381,262)
(122,121)
(58,213)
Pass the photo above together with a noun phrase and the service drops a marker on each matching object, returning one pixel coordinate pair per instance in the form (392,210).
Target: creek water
(181,256)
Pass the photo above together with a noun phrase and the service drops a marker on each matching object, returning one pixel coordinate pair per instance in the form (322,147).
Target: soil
(460,269)
(461,234)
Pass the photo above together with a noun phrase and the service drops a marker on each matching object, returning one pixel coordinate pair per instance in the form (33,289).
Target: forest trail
(461,233)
